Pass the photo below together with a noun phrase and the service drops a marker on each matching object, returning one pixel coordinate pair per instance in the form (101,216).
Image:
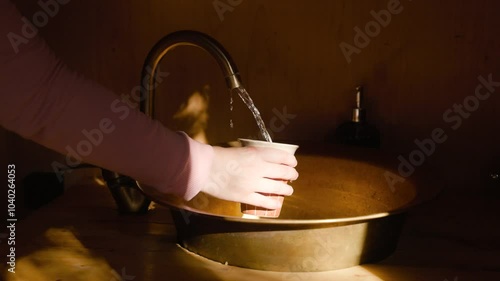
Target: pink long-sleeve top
(44,101)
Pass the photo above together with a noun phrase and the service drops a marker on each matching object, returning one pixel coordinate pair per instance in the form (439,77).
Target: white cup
(252,210)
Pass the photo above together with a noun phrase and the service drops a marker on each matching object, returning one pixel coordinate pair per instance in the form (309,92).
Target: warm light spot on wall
(192,116)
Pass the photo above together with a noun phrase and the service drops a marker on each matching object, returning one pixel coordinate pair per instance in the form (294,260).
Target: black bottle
(357,131)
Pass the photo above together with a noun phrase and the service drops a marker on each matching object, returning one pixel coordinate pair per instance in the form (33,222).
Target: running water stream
(256,114)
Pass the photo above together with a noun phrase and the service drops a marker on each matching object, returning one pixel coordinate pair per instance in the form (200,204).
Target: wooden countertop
(80,236)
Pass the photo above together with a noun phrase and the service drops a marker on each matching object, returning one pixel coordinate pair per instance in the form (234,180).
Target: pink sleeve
(42,100)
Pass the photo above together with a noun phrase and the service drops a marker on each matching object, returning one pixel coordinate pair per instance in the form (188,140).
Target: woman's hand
(241,174)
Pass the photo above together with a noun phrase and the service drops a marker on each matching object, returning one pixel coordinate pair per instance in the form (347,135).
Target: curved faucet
(126,192)
(184,38)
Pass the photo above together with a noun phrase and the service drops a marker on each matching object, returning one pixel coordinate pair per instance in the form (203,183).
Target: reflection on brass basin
(343,213)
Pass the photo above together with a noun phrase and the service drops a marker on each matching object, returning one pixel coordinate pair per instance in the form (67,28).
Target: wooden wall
(424,61)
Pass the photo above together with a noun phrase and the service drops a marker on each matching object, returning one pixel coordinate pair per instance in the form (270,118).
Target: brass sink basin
(343,213)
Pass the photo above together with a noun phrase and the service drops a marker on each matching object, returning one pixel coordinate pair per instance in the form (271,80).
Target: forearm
(46,102)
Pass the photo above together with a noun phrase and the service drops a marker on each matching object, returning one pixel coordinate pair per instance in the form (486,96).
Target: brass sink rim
(278,221)
(423,195)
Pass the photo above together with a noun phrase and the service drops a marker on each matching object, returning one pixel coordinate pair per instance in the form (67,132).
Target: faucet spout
(126,191)
(184,38)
